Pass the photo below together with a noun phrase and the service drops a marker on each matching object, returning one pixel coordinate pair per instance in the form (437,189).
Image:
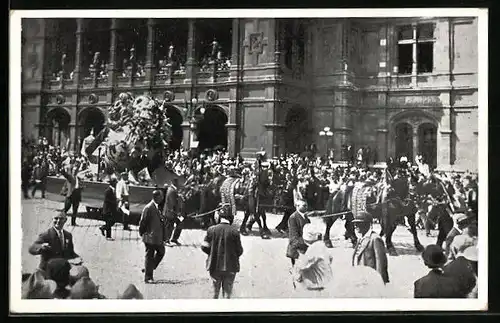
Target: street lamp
(326,132)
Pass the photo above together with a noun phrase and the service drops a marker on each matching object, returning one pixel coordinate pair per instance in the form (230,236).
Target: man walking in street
(370,250)
(40,173)
(223,246)
(122,195)
(171,214)
(109,208)
(151,229)
(72,190)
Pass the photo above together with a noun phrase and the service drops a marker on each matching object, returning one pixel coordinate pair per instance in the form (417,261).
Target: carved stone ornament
(212,95)
(169,96)
(256,43)
(93,98)
(60,99)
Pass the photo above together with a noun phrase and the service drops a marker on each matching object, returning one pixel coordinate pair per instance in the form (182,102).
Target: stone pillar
(186,134)
(445,135)
(78,54)
(72,137)
(112,53)
(414,57)
(150,59)
(235,50)
(415,143)
(342,124)
(231,138)
(191,51)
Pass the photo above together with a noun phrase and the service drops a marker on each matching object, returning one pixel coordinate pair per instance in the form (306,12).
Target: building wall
(349,82)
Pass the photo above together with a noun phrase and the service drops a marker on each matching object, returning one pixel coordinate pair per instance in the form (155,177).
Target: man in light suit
(171,210)
(151,230)
(370,249)
(55,243)
(72,190)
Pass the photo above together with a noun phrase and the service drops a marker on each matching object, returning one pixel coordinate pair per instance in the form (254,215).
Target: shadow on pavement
(180,281)
(404,248)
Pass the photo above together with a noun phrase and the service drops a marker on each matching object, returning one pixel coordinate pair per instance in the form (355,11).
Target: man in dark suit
(40,173)
(370,249)
(55,243)
(296,223)
(109,208)
(223,246)
(463,272)
(435,284)
(151,229)
(171,214)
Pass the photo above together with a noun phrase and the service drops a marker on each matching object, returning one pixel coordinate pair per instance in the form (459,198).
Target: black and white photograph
(248,160)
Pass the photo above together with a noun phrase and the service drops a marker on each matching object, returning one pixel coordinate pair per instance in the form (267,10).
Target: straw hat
(85,288)
(471,253)
(131,292)
(78,272)
(37,287)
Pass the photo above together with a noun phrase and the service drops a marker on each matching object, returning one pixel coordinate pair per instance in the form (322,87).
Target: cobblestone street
(264,267)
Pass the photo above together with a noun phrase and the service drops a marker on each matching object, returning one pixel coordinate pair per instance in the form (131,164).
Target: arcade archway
(296,131)
(58,120)
(404,140)
(91,119)
(427,139)
(212,130)
(175,120)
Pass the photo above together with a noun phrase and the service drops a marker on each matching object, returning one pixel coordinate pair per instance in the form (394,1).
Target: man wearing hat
(463,270)
(171,214)
(58,270)
(313,269)
(109,208)
(436,284)
(460,222)
(151,228)
(131,292)
(370,249)
(55,243)
(222,244)
(122,195)
(85,288)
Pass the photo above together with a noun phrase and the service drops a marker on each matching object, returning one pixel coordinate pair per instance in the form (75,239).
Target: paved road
(264,273)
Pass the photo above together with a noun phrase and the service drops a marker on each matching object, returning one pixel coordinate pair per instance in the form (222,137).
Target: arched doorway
(427,139)
(404,140)
(296,131)
(58,120)
(175,120)
(212,130)
(91,119)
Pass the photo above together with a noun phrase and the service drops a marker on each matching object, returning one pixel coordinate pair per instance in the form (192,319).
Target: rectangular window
(424,57)
(405,33)
(405,58)
(425,32)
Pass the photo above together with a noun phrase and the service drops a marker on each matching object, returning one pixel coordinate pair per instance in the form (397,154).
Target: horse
(392,205)
(255,191)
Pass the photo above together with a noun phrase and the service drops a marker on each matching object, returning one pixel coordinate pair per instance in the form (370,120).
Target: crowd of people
(454,266)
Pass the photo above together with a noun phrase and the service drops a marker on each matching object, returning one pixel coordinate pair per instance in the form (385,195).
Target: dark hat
(433,256)
(131,292)
(363,217)
(85,288)
(58,270)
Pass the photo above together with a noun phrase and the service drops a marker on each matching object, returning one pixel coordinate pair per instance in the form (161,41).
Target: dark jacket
(151,225)
(110,204)
(370,252)
(223,246)
(435,285)
(461,272)
(50,236)
(296,223)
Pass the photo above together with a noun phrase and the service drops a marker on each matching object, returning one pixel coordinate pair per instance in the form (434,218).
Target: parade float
(134,141)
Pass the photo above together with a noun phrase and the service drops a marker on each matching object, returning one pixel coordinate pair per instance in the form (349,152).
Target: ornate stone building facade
(400,86)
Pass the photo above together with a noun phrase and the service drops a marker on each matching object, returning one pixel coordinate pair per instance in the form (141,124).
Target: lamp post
(326,132)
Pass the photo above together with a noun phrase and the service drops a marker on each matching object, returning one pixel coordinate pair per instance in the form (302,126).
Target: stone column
(150,59)
(191,51)
(342,123)
(112,53)
(78,54)
(186,134)
(72,137)
(231,138)
(415,142)
(235,50)
(414,58)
